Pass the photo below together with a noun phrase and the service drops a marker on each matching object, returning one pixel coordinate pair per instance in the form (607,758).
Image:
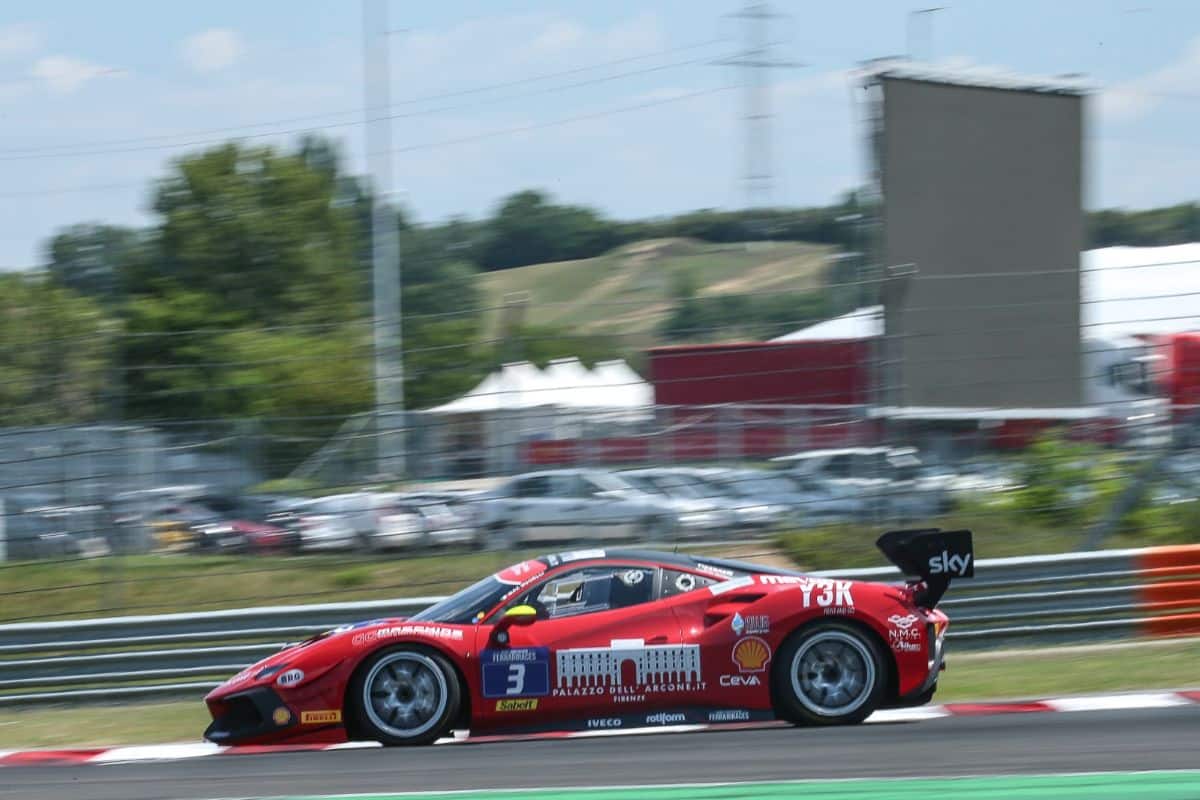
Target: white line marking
(908,714)
(156,752)
(1118,702)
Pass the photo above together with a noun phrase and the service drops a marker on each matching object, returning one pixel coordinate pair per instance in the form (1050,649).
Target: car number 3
(516,679)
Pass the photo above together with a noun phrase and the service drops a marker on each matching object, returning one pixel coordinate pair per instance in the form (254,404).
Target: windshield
(467,606)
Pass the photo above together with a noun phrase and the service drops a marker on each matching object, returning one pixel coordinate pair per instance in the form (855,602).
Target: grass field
(628,290)
(1028,674)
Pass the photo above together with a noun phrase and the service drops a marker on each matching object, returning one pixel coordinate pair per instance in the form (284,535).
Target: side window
(838,466)
(591,589)
(679,582)
(567,486)
(536,486)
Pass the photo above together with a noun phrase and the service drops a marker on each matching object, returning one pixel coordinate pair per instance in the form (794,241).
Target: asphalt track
(1149,739)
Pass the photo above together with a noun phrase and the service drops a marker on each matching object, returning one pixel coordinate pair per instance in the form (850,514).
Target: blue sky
(96,98)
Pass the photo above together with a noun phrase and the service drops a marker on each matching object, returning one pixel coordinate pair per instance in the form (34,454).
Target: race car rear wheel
(404,696)
(829,674)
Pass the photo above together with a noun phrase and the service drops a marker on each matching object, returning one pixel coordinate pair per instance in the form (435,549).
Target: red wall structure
(831,372)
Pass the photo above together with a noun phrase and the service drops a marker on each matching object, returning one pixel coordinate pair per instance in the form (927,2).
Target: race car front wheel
(829,674)
(403,696)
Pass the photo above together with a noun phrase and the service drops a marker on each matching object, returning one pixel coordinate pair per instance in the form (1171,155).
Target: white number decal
(516,679)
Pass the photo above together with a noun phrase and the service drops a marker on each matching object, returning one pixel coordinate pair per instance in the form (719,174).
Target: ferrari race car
(602,639)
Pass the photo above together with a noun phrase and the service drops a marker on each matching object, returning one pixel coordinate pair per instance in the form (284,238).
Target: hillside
(630,290)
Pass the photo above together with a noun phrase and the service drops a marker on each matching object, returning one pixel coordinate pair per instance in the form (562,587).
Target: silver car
(702,508)
(563,505)
(807,500)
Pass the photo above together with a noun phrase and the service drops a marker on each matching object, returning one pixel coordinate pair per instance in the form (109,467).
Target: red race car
(600,639)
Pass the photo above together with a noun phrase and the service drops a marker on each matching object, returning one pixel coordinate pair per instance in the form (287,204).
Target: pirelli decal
(330,717)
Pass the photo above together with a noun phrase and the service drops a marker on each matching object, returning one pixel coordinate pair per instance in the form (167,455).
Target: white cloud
(64,74)
(212,50)
(19,39)
(1134,99)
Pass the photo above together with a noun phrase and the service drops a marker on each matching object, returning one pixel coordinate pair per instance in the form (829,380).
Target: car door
(589,511)
(601,652)
(533,509)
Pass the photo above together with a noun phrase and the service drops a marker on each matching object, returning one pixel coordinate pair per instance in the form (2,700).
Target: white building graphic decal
(653,664)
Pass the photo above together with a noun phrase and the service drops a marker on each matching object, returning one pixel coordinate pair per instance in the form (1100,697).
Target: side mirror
(517,615)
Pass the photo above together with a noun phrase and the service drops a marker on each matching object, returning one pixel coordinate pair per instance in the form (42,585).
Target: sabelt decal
(835,597)
(434,631)
(628,670)
(329,717)
(290,678)
(751,655)
(521,704)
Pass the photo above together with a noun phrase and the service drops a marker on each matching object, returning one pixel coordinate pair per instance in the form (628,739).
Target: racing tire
(829,673)
(403,696)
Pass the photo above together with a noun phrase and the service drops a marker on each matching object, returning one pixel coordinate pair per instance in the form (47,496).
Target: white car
(700,509)
(885,478)
(321,529)
(561,505)
(737,511)
(808,500)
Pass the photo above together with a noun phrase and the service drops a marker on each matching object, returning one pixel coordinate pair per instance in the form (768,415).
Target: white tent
(1124,291)
(861,323)
(1140,290)
(565,383)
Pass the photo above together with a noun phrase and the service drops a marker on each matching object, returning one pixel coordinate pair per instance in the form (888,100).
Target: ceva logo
(946,563)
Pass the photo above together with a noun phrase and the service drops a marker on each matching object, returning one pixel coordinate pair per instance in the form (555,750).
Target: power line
(160,142)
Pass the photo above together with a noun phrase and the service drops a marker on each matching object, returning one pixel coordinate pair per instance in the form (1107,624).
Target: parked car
(807,500)
(562,505)
(886,478)
(254,518)
(700,510)
(733,511)
(320,527)
(446,519)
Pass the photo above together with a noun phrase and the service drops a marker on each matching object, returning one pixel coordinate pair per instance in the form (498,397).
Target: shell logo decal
(751,654)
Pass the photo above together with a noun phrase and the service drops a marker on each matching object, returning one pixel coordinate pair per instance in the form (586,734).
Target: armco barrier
(1063,599)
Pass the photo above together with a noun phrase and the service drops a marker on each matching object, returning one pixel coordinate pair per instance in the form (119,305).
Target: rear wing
(935,556)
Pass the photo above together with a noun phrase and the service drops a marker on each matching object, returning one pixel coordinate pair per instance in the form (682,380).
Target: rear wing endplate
(935,556)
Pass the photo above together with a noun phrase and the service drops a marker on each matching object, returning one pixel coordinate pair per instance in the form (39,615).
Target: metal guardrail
(1078,597)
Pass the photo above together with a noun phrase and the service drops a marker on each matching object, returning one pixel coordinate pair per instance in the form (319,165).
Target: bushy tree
(56,359)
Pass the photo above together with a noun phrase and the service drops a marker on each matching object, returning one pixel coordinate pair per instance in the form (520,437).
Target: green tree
(56,354)
(529,229)
(261,231)
(94,260)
